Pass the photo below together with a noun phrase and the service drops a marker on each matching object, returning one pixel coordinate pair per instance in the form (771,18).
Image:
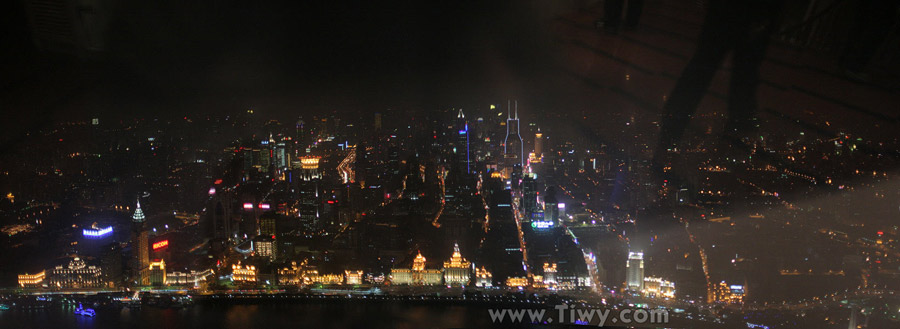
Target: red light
(330,201)
(160,244)
(218,181)
(880,232)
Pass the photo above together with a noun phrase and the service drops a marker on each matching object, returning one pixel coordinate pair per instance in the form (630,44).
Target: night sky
(283,59)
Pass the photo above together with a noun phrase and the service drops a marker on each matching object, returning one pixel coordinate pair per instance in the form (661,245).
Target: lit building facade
(353,277)
(243,273)
(157,272)
(549,276)
(32,280)
(418,275)
(190,279)
(140,246)
(76,275)
(634,271)
(264,246)
(292,275)
(314,277)
(483,278)
(517,282)
(658,288)
(730,293)
(457,271)
(573,282)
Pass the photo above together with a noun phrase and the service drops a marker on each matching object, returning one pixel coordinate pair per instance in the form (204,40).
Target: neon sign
(541,224)
(161,244)
(248,206)
(97,232)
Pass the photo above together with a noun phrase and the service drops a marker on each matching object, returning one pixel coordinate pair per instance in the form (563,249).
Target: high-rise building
(157,271)
(551,206)
(219,222)
(634,271)
(264,246)
(139,246)
(539,145)
(513,146)
(529,194)
(111,265)
(267,224)
(71,27)
(462,142)
(308,188)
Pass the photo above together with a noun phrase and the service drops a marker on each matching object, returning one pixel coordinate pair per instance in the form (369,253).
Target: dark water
(344,315)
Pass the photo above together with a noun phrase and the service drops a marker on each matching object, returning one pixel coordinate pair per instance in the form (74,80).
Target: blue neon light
(97,233)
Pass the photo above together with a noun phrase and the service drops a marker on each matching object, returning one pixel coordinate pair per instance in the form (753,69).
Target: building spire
(138,213)
(508,110)
(460,115)
(517,109)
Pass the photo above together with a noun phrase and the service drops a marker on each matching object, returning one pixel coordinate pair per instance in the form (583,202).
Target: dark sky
(284,58)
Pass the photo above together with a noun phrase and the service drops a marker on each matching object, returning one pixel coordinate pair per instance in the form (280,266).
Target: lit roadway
(518,216)
(440,211)
(345,168)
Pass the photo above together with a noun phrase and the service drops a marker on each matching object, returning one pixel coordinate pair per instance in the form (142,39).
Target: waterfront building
(417,275)
(457,271)
(32,280)
(76,275)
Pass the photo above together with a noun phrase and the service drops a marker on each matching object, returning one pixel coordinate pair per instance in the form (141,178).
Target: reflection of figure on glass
(742,27)
(612,14)
(874,19)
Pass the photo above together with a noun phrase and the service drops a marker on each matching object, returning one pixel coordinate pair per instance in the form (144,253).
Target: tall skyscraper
(529,191)
(538,145)
(551,206)
(139,246)
(513,146)
(308,190)
(462,144)
(634,271)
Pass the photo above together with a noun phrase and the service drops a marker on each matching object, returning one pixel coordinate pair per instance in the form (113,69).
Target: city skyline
(726,164)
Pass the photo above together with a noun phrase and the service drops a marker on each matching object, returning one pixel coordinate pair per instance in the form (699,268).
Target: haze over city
(706,164)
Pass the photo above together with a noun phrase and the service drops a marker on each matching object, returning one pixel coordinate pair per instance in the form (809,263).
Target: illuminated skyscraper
(139,246)
(634,271)
(539,145)
(462,144)
(157,271)
(513,146)
(308,189)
